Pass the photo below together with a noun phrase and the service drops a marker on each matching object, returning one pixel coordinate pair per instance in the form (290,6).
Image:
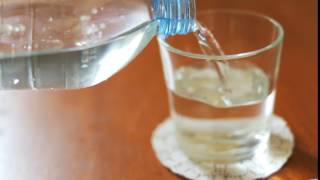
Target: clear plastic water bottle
(67,44)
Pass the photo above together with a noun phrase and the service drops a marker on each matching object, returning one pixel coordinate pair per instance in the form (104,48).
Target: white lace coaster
(260,166)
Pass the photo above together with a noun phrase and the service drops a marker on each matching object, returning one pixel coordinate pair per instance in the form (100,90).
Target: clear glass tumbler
(224,120)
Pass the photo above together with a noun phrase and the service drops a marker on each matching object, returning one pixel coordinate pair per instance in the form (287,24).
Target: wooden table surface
(104,132)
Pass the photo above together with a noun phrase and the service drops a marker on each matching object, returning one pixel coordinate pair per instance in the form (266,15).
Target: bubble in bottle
(15,81)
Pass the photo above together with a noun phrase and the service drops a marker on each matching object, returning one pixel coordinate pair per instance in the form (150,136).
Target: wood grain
(104,132)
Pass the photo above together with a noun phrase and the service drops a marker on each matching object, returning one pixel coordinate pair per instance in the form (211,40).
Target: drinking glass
(221,103)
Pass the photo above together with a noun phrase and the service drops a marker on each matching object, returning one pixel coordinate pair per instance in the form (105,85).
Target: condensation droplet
(50,19)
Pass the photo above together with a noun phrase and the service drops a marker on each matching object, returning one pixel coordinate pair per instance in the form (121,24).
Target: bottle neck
(174,16)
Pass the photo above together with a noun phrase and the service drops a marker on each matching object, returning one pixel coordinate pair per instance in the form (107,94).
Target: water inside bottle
(56,45)
(79,47)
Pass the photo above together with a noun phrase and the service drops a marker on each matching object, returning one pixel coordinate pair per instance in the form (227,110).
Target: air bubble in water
(84,18)
(19,28)
(102,26)
(22,28)
(94,11)
(100,34)
(91,29)
(78,43)
(9,27)
(81,43)
(178,76)
(83,66)
(226,101)
(190,90)
(16,29)
(259,90)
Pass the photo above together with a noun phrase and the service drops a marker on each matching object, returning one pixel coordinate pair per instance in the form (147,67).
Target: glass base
(222,151)
(268,158)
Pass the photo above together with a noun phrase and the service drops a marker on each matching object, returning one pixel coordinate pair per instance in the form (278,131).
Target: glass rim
(271,45)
